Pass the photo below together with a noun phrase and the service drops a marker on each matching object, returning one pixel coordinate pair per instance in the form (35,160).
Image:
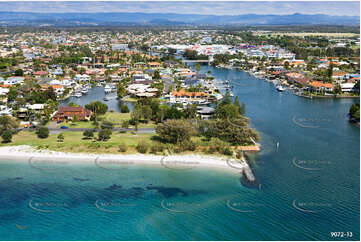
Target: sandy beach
(39,158)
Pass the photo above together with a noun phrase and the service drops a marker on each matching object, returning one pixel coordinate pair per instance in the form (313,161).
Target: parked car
(64,127)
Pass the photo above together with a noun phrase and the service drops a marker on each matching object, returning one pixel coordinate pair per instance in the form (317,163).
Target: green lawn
(114,117)
(78,124)
(118,118)
(74,142)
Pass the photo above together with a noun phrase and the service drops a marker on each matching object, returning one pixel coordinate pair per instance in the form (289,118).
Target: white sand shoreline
(38,158)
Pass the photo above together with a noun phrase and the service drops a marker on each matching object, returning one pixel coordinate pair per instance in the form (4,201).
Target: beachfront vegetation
(6,136)
(97,107)
(142,147)
(354,113)
(175,131)
(42,132)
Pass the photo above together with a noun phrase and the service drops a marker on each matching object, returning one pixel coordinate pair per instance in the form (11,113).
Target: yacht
(280,88)
(106,99)
(107,89)
(78,94)
(84,90)
(99,84)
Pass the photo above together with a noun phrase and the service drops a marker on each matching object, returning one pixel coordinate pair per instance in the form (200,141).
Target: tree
(227,111)
(125,124)
(104,134)
(242,109)
(337,89)
(72,104)
(354,113)
(60,137)
(156,75)
(42,132)
(142,147)
(286,65)
(175,131)
(198,67)
(88,134)
(12,94)
(236,102)
(121,90)
(124,108)
(330,72)
(97,107)
(7,136)
(7,123)
(19,72)
(191,111)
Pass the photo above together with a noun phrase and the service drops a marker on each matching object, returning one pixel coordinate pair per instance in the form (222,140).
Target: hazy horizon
(332,8)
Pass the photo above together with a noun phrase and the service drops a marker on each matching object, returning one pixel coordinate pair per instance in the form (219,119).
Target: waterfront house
(69,113)
(339,76)
(184,94)
(347,87)
(153,64)
(318,86)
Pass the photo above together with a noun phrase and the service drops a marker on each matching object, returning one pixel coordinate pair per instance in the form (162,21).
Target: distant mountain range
(168,19)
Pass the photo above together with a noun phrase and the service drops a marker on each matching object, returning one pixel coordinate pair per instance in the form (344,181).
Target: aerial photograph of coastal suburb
(179,120)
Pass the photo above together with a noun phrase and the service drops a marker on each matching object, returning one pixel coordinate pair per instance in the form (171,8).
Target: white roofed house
(84,77)
(5,110)
(37,107)
(3,94)
(347,87)
(13,80)
(142,90)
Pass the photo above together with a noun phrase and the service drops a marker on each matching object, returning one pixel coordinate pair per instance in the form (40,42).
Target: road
(59,130)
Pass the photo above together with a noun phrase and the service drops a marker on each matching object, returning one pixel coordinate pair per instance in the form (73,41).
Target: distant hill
(169,19)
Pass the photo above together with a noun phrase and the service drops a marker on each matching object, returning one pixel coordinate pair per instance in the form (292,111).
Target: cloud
(214,8)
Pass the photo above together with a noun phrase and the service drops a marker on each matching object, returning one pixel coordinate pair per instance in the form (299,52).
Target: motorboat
(107,89)
(78,94)
(84,90)
(280,88)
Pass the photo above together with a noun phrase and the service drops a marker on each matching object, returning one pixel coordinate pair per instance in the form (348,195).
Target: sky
(346,8)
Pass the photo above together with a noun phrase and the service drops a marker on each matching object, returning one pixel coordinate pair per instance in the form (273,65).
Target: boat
(84,90)
(106,99)
(280,88)
(99,84)
(78,94)
(107,89)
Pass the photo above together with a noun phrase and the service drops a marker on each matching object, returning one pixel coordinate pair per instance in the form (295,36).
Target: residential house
(70,113)
(318,86)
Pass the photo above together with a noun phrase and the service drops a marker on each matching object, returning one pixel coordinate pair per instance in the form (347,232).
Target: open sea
(308,184)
